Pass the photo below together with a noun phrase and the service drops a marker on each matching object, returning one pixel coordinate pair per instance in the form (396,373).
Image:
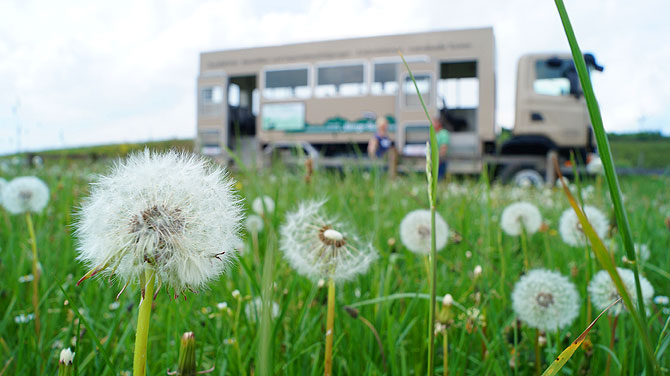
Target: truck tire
(522,176)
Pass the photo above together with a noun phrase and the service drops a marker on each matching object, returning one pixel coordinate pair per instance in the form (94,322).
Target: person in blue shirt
(380,143)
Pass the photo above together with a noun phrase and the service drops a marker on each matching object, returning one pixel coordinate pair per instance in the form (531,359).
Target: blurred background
(76,73)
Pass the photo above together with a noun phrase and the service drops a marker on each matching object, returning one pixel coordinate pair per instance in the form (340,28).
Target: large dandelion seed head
(571,229)
(545,300)
(264,204)
(320,247)
(171,212)
(521,215)
(415,231)
(603,291)
(25,194)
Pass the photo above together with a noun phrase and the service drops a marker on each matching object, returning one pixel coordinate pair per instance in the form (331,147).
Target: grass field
(482,339)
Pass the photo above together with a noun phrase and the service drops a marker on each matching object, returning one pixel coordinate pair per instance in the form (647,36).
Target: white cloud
(90,72)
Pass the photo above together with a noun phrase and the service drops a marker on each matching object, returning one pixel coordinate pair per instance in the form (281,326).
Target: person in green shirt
(442,135)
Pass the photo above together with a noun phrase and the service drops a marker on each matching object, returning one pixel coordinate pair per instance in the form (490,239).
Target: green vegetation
(112,150)
(392,295)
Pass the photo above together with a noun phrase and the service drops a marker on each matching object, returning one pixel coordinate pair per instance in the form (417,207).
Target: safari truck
(324,98)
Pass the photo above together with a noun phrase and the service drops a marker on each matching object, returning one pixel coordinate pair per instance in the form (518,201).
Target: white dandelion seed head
(520,215)
(254,308)
(24,194)
(571,229)
(262,204)
(545,300)
(23,319)
(603,291)
(415,231)
(66,356)
(661,300)
(642,252)
(3,184)
(448,300)
(254,223)
(320,247)
(595,166)
(478,271)
(172,212)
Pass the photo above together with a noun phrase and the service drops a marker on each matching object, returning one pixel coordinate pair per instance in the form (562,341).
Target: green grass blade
(88,327)
(608,165)
(563,358)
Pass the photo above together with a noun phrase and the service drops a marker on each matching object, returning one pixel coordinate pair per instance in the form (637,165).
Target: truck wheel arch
(528,145)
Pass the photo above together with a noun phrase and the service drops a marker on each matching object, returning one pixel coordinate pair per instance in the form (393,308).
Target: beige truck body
(331,92)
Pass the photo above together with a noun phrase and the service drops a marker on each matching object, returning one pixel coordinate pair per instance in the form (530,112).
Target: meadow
(484,336)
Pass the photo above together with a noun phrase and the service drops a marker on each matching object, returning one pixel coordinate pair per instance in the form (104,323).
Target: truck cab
(551,112)
(550,115)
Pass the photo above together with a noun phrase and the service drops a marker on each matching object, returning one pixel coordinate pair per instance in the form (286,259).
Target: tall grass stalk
(143,321)
(36,276)
(432,165)
(610,174)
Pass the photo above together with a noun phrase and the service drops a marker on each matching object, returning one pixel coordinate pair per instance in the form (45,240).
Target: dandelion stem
(143,320)
(330,320)
(538,360)
(36,275)
(524,248)
(612,338)
(445,352)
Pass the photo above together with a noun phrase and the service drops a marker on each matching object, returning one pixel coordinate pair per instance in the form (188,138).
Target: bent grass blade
(570,350)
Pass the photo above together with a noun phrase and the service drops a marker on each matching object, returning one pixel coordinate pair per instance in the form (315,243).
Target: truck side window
(209,101)
(286,83)
(385,80)
(551,77)
(341,80)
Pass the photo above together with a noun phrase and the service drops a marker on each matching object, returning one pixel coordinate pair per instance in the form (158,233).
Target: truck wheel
(527,177)
(521,176)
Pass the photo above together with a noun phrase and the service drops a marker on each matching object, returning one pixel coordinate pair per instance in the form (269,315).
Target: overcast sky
(87,72)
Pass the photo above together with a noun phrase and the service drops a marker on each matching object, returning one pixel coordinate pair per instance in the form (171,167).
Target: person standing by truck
(380,143)
(442,135)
